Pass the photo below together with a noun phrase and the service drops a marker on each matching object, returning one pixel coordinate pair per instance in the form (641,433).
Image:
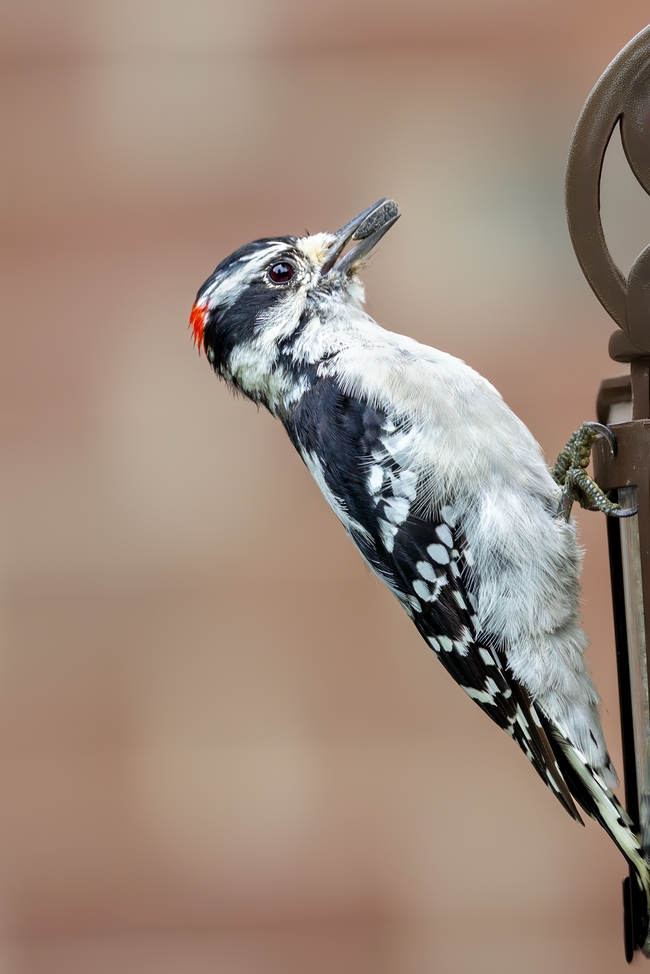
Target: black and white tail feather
(443,490)
(600,803)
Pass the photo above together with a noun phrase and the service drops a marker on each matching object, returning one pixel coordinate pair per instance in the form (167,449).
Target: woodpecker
(440,486)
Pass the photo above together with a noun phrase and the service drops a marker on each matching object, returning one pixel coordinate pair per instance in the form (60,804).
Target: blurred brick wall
(223,746)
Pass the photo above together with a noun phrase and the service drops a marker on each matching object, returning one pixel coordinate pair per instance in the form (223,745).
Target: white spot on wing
(399,445)
(397,509)
(438,553)
(426,570)
(444,534)
(423,590)
(375,479)
(481,695)
(459,599)
(387,532)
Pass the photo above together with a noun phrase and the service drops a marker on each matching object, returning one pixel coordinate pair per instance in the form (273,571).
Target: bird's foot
(570,471)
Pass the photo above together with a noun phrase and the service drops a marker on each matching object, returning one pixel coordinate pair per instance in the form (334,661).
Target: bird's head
(270,310)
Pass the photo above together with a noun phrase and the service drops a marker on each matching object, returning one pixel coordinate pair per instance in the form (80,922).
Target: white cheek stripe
(229,284)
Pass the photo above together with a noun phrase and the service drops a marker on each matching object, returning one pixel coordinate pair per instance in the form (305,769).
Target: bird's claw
(570,471)
(624,511)
(600,430)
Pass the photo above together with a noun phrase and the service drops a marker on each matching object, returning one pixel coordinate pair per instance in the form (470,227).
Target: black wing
(360,457)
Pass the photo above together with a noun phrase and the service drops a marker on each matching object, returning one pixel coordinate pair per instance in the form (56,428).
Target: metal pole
(622,96)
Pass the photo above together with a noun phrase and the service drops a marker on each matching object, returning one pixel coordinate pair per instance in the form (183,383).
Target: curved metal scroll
(621,95)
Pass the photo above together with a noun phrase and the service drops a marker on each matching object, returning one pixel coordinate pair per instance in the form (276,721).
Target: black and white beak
(369,227)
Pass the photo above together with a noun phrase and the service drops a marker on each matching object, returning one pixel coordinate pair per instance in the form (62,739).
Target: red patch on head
(197,324)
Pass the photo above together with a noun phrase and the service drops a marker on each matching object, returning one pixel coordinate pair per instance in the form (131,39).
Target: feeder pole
(622,97)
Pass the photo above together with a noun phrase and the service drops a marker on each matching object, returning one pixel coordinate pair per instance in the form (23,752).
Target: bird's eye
(281,273)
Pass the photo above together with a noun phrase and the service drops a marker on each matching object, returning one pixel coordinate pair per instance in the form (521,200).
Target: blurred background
(223,747)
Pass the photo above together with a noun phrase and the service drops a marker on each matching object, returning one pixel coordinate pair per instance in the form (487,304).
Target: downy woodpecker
(440,486)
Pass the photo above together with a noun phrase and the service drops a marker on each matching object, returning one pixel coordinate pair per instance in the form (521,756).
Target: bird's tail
(600,803)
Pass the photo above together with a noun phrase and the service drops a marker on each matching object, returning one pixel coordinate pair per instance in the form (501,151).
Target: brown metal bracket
(622,96)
